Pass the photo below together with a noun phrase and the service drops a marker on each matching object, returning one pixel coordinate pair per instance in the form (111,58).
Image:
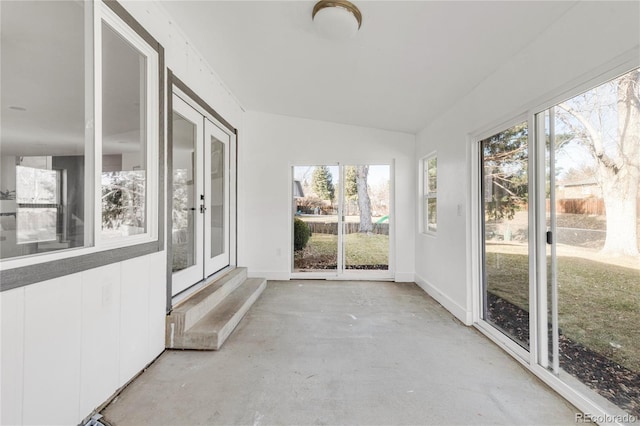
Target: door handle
(549,237)
(202,208)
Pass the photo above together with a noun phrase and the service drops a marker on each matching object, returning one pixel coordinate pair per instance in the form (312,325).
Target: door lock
(202,208)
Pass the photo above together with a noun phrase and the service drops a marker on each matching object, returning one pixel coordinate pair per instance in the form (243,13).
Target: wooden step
(210,332)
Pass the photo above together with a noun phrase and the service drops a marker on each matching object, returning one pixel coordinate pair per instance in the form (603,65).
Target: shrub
(301,234)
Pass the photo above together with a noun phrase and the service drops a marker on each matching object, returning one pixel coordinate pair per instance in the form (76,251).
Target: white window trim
(151,121)
(101,13)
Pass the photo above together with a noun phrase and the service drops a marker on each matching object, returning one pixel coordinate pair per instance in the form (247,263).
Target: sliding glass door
(365,227)
(505,225)
(592,165)
(559,239)
(341,219)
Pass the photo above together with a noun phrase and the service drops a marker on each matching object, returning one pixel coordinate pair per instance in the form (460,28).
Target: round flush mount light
(337,19)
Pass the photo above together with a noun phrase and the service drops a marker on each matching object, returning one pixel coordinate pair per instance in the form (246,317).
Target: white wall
(185,61)
(69,343)
(272,144)
(586,41)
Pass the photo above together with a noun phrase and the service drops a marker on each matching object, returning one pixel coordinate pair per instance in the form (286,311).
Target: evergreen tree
(350,185)
(322,183)
(505,172)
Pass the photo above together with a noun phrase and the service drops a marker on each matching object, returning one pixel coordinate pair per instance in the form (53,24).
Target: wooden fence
(588,206)
(350,228)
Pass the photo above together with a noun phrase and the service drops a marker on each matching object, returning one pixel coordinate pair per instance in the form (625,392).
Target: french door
(201,196)
(342,216)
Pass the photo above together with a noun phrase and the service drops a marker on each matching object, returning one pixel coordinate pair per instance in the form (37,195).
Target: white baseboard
(404,277)
(449,304)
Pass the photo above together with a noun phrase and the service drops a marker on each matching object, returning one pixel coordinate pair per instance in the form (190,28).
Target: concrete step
(186,314)
(210,332)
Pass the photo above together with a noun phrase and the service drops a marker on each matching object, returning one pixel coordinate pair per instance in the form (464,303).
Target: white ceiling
(409,62)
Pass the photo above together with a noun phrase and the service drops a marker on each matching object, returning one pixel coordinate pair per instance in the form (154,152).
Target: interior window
(45,111)
(124,178)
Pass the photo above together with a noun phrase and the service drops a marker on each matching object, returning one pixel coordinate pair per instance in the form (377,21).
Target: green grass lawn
(366,249)
(599,304)
(361,249)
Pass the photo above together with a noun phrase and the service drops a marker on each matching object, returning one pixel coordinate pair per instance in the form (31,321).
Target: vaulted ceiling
(409,62)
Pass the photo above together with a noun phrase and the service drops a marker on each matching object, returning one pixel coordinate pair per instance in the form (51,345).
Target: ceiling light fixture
(338,19)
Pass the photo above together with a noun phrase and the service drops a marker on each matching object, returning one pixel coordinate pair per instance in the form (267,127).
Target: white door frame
(208,125)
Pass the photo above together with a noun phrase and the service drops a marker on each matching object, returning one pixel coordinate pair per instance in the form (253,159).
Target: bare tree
(617,156)
(364,203)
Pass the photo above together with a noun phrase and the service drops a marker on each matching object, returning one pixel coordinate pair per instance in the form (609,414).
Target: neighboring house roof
(579,182)
(297,189)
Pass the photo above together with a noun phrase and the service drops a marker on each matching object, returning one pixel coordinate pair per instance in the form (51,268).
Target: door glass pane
(124,115)
(218,176)
(184,212)
(46,117)
(505,226)
(366,217)
(316,218)
(595,141)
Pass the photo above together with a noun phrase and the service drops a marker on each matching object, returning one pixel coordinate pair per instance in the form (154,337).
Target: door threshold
(341,277)
(199,286)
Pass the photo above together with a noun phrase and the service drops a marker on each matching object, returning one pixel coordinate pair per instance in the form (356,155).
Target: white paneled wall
(101,322)
(12,355)
(69,343)
(52,343)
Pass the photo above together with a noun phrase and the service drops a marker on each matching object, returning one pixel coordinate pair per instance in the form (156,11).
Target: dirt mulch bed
(327,262)
(611,380)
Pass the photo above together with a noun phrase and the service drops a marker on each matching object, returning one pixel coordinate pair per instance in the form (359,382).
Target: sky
(378,174)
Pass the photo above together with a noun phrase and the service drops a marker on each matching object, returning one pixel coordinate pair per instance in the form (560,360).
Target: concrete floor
(345,352)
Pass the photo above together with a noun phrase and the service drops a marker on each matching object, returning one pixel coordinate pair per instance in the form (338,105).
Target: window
(37,202)
(127,81)
(430,194)
(79,156)
(45,110)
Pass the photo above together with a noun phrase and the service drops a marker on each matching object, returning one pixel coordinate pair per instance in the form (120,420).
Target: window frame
(427,195)
(30,269)
(585,400)
(129,34)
